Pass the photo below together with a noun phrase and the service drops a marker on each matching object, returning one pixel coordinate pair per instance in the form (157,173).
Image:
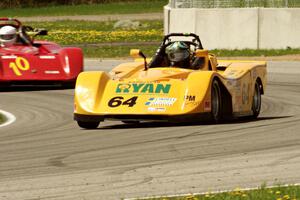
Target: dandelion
(192,197)
(270,191)
(237,189)
(237,192)
(83,36)
(278,192)
(286,197)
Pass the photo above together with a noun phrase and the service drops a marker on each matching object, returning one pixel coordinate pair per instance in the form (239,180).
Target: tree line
(38,3)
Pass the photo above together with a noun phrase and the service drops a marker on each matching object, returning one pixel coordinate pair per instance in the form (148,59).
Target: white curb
(10,118)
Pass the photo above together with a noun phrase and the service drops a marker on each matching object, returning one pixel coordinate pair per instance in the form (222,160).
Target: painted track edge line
(10,118)
(210,192)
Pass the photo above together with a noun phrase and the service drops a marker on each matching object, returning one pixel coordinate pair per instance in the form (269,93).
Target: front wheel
(216,104)
(88,125)
(256,102)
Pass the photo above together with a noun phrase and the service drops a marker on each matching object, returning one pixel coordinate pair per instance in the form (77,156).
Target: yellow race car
(181,82)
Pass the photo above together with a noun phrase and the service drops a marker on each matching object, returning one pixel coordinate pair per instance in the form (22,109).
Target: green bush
(37,3)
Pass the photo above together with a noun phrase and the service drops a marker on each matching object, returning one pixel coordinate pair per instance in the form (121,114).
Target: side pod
(89,90)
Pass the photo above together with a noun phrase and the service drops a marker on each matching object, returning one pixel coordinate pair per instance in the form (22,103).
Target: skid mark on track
(57,161)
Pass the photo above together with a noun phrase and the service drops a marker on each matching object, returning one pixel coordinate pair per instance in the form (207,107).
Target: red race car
(26,61)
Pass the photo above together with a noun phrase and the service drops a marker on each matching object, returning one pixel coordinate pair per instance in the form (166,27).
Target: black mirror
(42,32)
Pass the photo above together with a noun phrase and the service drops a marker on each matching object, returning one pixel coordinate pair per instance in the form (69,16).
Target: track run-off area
(45,155)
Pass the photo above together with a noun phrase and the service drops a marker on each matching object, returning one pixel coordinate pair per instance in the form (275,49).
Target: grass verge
(142,6)
(149,50)
(69,25)
(116,51)
(276,193)
(2,119)
(104,40)
(255,52)
(82,32)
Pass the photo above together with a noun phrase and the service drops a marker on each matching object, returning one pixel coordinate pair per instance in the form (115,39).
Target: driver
(8,36)
(179,55)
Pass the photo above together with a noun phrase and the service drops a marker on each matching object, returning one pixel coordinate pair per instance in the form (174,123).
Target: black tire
(256,101)
(216,101)
(88,125)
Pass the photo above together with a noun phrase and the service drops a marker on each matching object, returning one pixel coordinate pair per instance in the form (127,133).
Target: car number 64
(118,101)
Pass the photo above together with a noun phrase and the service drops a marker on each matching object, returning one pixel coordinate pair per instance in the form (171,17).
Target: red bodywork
(38,61)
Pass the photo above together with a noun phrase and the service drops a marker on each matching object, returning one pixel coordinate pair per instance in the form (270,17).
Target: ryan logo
(143,88)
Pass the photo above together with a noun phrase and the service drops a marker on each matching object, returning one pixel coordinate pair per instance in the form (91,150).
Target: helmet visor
(7,37)
(178,56)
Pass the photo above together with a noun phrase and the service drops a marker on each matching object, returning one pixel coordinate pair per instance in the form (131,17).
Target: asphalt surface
(45,155)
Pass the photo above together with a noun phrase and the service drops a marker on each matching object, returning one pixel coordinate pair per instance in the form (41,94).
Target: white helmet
(8,35)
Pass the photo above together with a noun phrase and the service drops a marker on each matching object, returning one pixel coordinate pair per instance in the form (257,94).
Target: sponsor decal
(190,97)
(245,93)
(230,73)
(238,99)
(192,103)
(233,73)
(254,74)
(160,101)
(234,85)
(143,88)
(154,109)
(207,106)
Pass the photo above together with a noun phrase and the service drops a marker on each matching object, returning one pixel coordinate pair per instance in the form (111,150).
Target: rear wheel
(88,125)
(256,102)
(216,104)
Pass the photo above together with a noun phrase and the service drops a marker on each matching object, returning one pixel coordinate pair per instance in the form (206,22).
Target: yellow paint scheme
(239,78)
(175,91)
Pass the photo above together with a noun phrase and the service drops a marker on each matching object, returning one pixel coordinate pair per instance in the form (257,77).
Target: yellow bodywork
(132,91)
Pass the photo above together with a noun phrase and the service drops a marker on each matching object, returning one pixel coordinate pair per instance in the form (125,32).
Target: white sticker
(153,109)
(51,72)
(47,57)
(160,101)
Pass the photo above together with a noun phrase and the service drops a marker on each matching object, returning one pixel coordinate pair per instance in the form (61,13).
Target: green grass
(143,6)
(2,119)
(92,25)
(255,52)
(83,33)
(116,51)
(277,193)
(123,51)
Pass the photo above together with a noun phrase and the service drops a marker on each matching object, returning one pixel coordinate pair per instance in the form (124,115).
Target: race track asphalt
(45,155)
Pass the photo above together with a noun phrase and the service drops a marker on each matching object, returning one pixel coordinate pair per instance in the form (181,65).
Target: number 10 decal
(21,64)
(118,101)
